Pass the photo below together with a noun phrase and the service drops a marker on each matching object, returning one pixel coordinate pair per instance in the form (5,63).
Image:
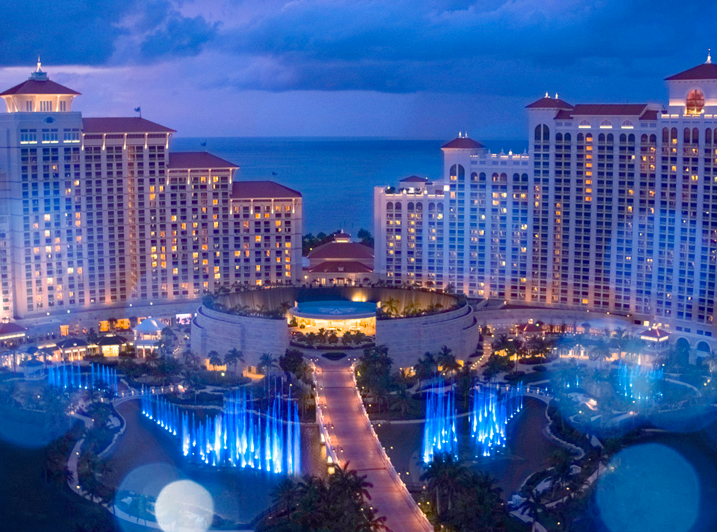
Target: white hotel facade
(614,209)
(97,213)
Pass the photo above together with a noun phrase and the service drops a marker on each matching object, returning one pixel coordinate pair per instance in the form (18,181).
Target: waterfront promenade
(354,441)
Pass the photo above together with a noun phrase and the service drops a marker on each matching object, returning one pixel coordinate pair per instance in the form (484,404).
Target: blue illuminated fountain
(440,435)
(239,436)
(638,382)
(491,409)
(69,376)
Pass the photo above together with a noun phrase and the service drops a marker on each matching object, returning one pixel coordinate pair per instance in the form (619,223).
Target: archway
(682,344)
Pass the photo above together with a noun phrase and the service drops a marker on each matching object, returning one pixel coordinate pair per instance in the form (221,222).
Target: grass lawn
(535,376)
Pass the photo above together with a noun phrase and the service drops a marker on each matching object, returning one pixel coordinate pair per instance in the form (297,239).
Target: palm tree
(425,368)
(515,349)
(500,343)
(305,399)
(402,403)
(190,359)
(215,360)
(444,475)
(286,494)
(410,309)
(561,460)
(194,380)
(533,504)
(600,350)
(620,340)
(266,363)
(233,357)
(348,482)
(391,306)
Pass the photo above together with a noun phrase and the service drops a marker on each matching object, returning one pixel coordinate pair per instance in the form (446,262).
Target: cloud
(409,45)
(178,36)
(90,32)
(431,57)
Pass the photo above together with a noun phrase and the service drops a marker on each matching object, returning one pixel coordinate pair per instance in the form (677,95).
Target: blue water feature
(440,434)
(492,407)
(637,382)
(69,376)
(239,436)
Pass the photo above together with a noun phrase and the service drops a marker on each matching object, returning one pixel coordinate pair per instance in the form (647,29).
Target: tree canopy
(339,502)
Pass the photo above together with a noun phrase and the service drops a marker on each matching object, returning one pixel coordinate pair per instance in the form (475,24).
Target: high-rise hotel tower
(97,212)
(614,208)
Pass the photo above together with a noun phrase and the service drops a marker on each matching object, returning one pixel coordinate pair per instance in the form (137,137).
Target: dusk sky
(404,68)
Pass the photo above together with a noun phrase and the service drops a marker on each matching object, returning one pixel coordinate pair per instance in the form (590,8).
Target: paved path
(355,442)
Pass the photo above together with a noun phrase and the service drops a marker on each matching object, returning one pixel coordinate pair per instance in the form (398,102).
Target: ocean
(336,176)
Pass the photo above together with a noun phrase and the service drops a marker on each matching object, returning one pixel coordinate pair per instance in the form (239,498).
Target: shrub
(514,376)
(532,360)
(540,369)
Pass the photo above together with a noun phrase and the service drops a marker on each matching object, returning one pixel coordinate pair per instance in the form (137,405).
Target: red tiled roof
(463,143)
(608,109)
(122,125)
(639,110)
(71,342)
(11,328)
(341,250)
(703,71)
(549,103)
(196,159)
(349,266)
(112,339)
(414,179)
(262,189)
(654,333)
(32,86)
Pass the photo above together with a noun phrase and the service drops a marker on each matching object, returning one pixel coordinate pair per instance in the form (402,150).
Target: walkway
(354,441)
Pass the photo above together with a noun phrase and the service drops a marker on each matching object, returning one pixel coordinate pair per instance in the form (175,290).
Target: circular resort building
(271,320)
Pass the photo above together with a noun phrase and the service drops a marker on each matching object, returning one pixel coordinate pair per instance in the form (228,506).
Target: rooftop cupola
(694,91)
(39,95)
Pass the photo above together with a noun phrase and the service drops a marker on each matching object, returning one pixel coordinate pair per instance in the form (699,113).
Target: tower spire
(39,74)
(709,56)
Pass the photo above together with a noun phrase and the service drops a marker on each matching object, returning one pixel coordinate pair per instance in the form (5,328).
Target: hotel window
(63,107)
(28,107)
(50,136)
(45,106)
(28,136)
(71,135)
(695,102)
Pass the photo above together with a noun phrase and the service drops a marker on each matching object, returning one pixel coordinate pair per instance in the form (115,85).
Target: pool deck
(356,443)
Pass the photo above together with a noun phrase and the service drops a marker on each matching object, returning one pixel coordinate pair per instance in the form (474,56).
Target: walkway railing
(422,519)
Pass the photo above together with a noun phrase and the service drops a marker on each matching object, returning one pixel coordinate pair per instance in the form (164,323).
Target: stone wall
(220,332)
(408,339)
(273,298)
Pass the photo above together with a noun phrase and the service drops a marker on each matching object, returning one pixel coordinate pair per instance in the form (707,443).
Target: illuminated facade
(98,213)
(614,209)
(469,230)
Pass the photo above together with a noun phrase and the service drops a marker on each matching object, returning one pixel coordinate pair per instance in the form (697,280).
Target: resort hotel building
(98,213)
(613,209)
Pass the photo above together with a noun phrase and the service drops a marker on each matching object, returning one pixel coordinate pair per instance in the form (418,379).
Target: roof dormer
(39,95)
